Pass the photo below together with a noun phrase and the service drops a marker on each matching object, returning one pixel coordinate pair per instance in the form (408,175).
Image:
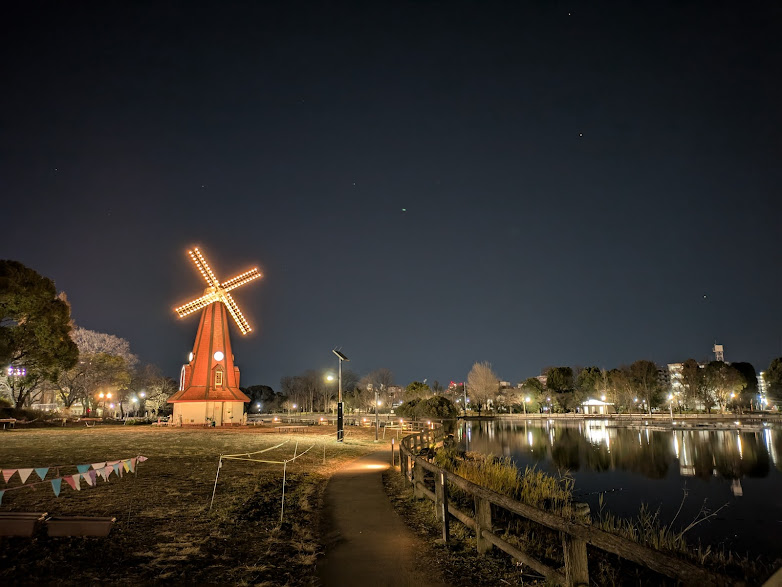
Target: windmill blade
(245,277)
(195,305)
(203,267)
(241,321)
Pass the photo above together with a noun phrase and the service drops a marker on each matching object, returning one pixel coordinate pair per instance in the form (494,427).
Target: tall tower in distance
(719,353)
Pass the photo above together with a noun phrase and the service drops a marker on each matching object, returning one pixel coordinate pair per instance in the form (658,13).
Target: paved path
(367,543)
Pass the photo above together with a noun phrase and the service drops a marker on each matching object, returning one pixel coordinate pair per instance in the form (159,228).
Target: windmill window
(218,377)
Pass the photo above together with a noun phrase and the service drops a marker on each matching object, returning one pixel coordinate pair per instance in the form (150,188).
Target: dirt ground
(164,529)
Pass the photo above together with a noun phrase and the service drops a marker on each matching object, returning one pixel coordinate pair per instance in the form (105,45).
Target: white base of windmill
(208,413)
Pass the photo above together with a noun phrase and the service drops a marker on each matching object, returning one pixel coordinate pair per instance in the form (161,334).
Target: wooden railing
(574,535)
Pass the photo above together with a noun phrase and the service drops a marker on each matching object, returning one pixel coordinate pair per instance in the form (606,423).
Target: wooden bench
(19,523)
(289,429)
(79,526)
(10,421)
(88,420)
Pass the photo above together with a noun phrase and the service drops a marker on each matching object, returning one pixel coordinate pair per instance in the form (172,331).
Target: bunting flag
(90,475)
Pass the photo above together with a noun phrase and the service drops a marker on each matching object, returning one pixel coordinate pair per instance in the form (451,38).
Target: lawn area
(164,529)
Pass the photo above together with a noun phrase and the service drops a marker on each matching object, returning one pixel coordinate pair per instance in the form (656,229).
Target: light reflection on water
(741,469)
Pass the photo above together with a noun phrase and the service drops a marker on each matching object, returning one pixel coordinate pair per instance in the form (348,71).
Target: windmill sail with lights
(209,384)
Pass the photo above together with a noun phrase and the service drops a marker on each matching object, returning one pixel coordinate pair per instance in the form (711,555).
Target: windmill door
(217,410)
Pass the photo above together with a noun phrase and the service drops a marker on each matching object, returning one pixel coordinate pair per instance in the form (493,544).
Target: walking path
(367,543)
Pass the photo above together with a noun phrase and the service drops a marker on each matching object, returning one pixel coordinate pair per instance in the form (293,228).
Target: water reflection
(740,467)
(601,446)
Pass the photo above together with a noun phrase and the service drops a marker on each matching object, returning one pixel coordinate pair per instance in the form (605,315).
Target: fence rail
(574,535)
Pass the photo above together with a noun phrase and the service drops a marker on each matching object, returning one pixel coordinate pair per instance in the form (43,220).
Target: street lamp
(526,401)
(340,430)
(377,421)
(104,397)
(670,400)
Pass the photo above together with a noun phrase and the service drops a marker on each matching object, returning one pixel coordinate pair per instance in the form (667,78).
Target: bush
(433,407)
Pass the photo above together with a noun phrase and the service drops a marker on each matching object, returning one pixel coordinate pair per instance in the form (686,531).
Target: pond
(736,474)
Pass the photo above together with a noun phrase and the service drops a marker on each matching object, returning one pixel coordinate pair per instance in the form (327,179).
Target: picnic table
(290,428)
(88,420)
(11,422)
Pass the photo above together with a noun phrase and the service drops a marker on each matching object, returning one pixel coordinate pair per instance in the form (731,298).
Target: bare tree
(483,385)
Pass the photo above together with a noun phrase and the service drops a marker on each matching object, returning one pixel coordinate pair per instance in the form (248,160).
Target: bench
(288,429)
(88,420)
(79,526)
(19,523)
(10,421)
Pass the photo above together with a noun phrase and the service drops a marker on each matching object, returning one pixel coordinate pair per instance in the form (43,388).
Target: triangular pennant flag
(98,465)
(24,474)
(87,478)
(133,465)
(82,468)
(105,472)
(126,465)
(41,472)
(112,463)
(76,481)
(117,469)
(56,484)
(93,476)
(8,473)
(69,481)
(142,459)
(2,491)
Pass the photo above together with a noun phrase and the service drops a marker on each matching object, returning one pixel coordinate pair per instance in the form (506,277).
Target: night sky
(424,184)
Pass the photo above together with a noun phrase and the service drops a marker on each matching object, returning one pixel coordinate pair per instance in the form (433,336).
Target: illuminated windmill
(209,384)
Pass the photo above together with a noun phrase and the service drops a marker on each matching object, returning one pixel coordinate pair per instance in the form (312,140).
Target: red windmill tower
(209,384)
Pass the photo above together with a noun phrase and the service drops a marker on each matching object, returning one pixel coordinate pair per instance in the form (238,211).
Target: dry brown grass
(164,528)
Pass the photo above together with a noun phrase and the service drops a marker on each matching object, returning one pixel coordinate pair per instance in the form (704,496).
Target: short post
(482,522)
(418,480)
(576,562)
(441,503)
(392,453)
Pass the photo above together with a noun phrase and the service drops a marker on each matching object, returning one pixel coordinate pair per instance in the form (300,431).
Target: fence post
(441,503)
(418,480)
(482,522)
(576,562)
(393,456)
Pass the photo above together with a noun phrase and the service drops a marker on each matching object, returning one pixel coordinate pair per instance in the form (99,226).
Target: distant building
(505,385)
(719,352)
(596,406)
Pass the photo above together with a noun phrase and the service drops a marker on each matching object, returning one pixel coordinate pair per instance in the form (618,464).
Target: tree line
(51,360)
(640,386)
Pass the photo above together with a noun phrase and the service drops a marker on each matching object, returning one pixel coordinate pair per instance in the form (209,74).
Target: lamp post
(377,418)
(526,401)
(340,429)
(104,397)
(670,404)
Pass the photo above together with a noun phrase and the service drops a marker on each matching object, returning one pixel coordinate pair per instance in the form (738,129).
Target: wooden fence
(575,535)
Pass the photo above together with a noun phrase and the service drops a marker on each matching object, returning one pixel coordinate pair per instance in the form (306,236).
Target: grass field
(164,529)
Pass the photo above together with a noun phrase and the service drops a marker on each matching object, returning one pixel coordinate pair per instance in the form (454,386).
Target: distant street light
(526,401)
(340,430)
